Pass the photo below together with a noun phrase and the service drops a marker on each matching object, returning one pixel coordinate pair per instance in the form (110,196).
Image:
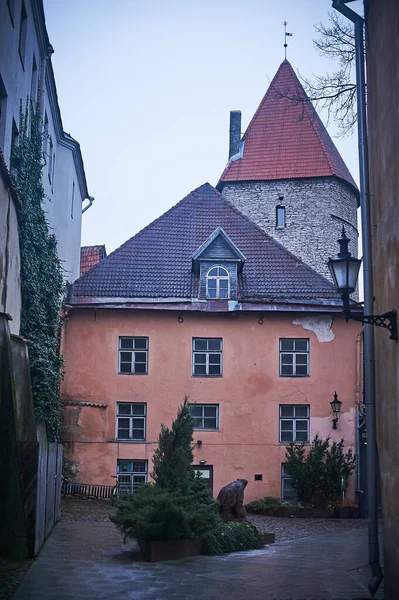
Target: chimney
(235,132)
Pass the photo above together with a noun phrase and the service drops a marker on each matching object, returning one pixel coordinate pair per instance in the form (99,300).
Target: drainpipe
(369,373)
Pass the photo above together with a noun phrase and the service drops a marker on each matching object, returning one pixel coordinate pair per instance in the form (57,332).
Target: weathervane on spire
(286,34)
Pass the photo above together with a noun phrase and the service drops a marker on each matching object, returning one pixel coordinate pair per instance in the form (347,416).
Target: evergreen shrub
(323,470)
(232,537)
(178,505)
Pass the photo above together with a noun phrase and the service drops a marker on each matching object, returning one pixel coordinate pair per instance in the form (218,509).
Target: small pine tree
(178,504)
(173,458)
(323,469)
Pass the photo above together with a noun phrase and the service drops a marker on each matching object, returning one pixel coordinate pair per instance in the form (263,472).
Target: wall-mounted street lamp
(345,270)
(336,409)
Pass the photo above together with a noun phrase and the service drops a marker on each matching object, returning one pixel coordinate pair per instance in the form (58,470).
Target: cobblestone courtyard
(85,558)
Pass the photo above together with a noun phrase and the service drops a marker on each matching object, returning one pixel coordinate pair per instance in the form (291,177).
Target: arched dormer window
(218,283)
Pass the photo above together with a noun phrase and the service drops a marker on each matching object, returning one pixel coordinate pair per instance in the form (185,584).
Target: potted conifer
(170,516)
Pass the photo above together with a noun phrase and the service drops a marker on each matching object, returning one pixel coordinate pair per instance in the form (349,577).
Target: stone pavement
(86,560)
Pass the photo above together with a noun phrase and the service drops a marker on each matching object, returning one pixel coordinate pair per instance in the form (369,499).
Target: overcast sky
(146,87)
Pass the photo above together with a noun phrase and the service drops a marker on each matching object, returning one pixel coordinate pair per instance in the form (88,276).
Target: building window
(22,34)
(218,283)
(3,109)
(280,217)
(73,198)
(205,416)
(294,357)
(45,137)
(288,494)
(53,172)
(130,421)
(294,423)
(14,135)
(11,9)
(133,355)
(130,474)
(50,159)
(33,83)
(207,356)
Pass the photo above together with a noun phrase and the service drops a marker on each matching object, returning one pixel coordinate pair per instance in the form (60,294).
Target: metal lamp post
(345,270)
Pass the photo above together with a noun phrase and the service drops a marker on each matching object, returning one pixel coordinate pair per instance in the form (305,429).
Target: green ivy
(42,285)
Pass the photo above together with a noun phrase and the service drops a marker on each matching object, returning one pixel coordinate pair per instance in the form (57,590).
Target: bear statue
(231,500)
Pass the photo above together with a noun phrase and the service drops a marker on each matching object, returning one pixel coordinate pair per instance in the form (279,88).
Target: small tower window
(280,217)
(218,283)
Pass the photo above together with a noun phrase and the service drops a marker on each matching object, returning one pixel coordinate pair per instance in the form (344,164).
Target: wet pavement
(87,560)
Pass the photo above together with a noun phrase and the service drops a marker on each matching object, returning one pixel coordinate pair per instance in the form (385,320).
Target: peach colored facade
(248,393)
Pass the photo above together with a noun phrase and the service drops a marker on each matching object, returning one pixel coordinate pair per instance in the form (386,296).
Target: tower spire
(286,34)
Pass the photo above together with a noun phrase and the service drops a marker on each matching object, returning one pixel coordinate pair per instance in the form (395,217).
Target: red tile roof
(286,138)
(90,256)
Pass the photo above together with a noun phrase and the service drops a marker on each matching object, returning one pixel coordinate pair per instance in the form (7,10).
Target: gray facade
(26,74)
(315,210)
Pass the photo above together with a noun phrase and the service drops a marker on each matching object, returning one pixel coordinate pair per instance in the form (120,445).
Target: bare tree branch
(335,92)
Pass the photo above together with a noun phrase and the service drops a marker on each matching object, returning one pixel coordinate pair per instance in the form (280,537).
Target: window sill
(206,376)
(119,373)
(295,376)
(296,443)
(118,441)
(203,429)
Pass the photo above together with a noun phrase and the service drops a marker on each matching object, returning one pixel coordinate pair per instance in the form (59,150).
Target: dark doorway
(206,471)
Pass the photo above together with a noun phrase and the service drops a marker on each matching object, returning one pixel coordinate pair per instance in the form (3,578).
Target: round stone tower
(288,177)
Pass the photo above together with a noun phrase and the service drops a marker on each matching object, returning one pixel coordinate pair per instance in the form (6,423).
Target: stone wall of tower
(315,210)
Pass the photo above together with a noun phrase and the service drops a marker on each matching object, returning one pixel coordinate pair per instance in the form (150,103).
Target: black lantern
(344,271)
(336,409)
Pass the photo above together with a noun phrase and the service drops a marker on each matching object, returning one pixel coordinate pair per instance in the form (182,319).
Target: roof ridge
(152,223)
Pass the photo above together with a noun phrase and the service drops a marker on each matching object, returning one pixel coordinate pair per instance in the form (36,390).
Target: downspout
(369,373)
(91,200)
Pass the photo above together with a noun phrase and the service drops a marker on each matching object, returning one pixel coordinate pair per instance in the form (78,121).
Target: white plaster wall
(10,285)
(17,82)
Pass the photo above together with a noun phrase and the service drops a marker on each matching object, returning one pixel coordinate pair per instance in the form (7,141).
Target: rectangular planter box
(152,551)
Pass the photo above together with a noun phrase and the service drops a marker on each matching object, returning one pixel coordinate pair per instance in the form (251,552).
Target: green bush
(178,505)
(232,537)
(153,513)
(323,469)
(258,506)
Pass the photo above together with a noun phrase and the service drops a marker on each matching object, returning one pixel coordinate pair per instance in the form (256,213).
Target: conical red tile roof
(286,138)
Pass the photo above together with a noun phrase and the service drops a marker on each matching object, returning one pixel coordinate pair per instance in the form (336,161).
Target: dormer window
(218,283)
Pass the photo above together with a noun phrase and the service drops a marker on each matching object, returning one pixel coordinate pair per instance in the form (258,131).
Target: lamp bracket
(387,320)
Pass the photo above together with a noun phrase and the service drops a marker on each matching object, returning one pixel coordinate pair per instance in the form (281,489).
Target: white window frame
(132,352)
(142,417)
(128,481)
(203,417)
(284,478)
(207,353)
(218,278)
(294,353)
(294,419)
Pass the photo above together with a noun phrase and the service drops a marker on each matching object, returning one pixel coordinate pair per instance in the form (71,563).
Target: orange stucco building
(246,440)
(223,299)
